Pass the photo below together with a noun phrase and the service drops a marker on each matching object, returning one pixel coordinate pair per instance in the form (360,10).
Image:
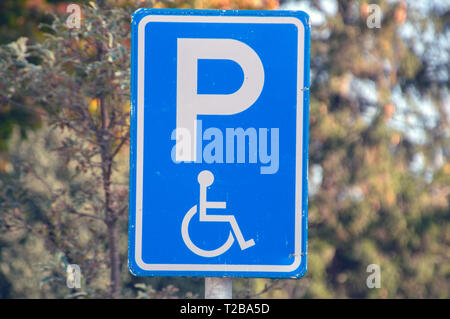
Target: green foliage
(18,18)
(371,207)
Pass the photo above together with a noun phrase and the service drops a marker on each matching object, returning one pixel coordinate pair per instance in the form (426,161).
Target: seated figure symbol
(205,179)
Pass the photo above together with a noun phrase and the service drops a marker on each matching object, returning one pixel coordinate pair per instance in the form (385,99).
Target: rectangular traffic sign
(219,143)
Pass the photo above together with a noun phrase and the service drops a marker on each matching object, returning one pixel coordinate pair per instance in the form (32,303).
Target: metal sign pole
(218,288)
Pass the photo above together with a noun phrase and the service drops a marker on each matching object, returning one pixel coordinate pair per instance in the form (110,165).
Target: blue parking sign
(219,143)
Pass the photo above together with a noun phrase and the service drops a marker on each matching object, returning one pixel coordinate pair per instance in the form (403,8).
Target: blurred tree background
(379,170)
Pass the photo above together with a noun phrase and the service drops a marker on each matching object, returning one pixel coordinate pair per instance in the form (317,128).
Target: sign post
(218,288)
(219,145)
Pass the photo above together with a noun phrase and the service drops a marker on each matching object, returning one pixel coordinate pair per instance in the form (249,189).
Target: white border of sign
(140,142)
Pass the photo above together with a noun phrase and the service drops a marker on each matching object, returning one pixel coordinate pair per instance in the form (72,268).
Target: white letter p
(190,104)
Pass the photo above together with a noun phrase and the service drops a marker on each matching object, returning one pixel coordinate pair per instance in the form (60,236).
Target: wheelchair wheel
(201,252)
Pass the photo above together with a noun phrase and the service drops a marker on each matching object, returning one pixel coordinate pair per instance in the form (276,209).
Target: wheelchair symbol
(205,179)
